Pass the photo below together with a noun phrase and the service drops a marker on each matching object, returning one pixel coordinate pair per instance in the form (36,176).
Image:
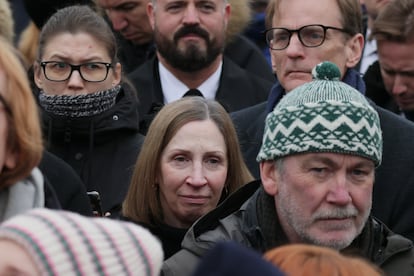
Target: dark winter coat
(63,187)
(102,149)
(169,236)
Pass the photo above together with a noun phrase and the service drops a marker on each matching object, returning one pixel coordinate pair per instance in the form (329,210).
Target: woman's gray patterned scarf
(83,105)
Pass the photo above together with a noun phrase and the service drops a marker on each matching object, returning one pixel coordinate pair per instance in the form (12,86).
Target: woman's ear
(117,74)
(36,75)
(269,176)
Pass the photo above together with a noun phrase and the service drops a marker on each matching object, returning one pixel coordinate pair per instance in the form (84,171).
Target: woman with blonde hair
(190,161)
(28,41)
(309,260)
(62,187)
(21,182)
(6,21)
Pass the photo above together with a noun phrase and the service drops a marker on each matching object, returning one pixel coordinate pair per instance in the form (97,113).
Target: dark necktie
(193,92)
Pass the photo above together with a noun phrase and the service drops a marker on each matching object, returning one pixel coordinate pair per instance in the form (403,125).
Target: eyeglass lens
(309,36)
(61,71)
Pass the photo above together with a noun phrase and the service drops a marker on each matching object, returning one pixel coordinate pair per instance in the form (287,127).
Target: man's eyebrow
(364,163)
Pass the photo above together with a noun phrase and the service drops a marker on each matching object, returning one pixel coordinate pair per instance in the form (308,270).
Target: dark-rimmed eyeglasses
(5,104)
(309,36)
(62,71)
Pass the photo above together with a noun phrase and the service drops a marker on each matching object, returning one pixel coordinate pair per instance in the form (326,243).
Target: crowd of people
(217,137)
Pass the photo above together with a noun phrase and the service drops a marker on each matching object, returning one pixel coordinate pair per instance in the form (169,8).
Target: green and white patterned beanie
(324,115)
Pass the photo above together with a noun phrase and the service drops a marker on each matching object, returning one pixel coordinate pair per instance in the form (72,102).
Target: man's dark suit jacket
(393,197)
(238,89)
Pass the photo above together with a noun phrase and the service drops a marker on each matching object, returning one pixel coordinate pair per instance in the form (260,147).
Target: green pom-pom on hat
(326,71)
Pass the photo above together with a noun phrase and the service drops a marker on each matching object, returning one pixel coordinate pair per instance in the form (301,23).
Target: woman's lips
(195,199)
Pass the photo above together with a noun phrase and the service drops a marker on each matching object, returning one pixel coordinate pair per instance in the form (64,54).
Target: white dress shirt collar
(173,89)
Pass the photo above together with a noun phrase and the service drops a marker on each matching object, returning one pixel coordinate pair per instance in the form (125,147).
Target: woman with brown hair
(62,187)
(89,115)
(189,162)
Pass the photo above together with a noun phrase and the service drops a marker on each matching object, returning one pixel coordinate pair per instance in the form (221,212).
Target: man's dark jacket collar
(371,243)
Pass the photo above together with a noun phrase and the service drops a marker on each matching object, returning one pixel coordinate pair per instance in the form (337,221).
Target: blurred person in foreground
(63,188)
(44,242)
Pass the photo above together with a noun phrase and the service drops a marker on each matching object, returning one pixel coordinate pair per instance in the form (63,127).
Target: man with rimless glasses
(302,34)
(89,117)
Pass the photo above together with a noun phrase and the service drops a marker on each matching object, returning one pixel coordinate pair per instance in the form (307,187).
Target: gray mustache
(336,213)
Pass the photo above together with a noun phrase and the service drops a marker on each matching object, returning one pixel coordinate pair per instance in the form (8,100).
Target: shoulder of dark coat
(226,208)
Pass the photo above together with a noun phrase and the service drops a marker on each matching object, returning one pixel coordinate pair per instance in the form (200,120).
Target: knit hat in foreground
(324,115)
(64,243)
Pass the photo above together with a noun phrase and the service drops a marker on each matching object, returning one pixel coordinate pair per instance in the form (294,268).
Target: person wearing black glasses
(89,115)
(309,35)
(301,34)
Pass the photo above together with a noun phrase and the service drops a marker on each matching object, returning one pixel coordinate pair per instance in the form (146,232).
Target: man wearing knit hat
(320,148)
(302,34)
(59,243)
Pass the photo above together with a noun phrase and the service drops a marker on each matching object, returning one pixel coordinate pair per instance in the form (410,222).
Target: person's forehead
(330,158)
(396,55)
(73,47)
(298,13)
